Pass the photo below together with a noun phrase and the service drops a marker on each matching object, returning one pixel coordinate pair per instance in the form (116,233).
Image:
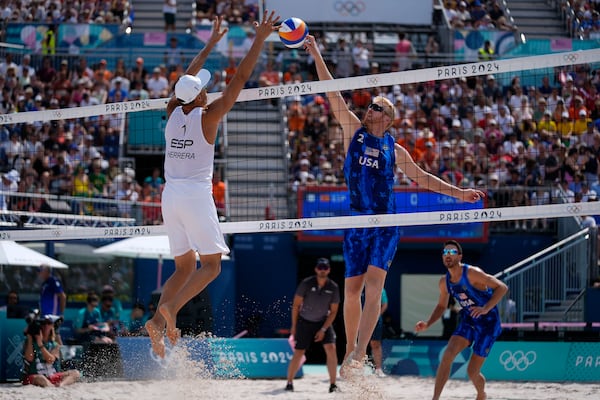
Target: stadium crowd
(470,131)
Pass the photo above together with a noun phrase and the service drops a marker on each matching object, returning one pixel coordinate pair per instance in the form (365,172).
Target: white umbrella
(154,247)
(12,253)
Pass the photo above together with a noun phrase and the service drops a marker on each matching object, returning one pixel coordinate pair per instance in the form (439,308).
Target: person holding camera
(41,355)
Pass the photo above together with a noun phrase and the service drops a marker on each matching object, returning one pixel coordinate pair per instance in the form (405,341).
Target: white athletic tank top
(188,156)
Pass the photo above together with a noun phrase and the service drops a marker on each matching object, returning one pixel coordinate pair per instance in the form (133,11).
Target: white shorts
(192,223)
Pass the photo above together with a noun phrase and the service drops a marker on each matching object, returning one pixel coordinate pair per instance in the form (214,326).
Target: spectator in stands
(362,58)
(173,55)
(61,177)
(169,14)
(118,93)
(496,13)
(137,321)
(157,85)
(88,323)
(108,314)
(342,59)
(269,76)
(155,180)
(99,181)
(405,52)
(126,194)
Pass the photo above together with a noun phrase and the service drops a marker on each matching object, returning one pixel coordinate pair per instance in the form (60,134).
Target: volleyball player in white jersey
(188,208)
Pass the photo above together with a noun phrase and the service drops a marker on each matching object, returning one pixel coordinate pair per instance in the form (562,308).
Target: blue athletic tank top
(467,296)
(369,173)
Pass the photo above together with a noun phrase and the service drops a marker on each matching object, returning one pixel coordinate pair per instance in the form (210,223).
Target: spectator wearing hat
(564,127)
(138,72)
(9,183)
(506,122)
(157,84)
(546,123)
(491,89)
(118,93)
(512,146)
(576,106)
(580,125)
(103,74)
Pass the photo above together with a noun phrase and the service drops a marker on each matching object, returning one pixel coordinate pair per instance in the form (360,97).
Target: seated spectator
(9,183)
(108,315)
(499,18)
(137,321)
(158,85)
(218,191)
(13,308)
(88,323)
(155,181)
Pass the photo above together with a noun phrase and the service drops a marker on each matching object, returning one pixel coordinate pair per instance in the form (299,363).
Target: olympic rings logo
(352,8)
(57,114)
(517,360)
(570,57)
(573,209)
(372,80)
(374,220)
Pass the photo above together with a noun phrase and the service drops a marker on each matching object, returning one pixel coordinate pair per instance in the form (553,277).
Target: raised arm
(223,104)
(347,119)
(198,62)
(431,182)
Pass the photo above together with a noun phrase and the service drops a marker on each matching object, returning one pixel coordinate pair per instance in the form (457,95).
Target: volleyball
(292,32)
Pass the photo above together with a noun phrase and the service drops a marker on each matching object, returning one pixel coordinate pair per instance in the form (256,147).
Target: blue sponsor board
(527,361)
(224,358)
(322,201)
(11,347)
(507,361)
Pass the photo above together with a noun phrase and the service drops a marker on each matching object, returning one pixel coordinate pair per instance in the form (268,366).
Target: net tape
(324,223)
(342,84)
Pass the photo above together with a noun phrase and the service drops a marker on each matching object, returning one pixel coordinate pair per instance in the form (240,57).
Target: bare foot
(156,338)
(173,333)
(482,396)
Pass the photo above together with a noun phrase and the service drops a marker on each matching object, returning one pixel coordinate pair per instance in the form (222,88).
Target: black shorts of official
(306,331)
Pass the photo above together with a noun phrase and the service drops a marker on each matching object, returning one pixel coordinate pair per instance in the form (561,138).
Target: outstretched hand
(421,326)
(266,26)
(217,33)
(472,195)
(310,45)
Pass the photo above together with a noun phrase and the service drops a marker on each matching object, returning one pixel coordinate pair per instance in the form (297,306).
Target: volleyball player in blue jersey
(371,159)
(479,323)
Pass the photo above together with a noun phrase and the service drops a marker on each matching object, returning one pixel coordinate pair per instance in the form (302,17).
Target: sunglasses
(322,267)
(376,107)
(449,252)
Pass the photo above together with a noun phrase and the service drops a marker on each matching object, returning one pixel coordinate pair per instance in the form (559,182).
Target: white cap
(188,87)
